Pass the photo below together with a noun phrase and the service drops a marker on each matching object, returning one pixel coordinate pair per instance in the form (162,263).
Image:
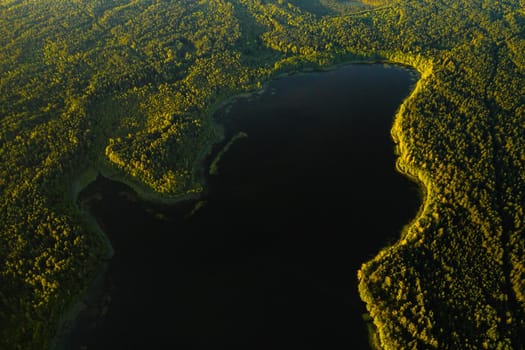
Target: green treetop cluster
(128,86)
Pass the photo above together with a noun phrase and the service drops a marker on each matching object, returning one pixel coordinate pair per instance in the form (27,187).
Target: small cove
(269,257)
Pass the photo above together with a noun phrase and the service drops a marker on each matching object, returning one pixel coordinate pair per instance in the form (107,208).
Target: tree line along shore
(129,86)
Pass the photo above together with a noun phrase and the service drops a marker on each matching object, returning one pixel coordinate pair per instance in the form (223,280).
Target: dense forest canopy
(127,87)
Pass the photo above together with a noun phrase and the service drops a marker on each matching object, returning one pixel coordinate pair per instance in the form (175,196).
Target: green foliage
(129,87)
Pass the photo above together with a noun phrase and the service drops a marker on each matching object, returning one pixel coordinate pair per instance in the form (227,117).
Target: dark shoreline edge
(85,177)
(424,188)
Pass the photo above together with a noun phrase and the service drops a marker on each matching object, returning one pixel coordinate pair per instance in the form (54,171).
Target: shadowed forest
(128,88)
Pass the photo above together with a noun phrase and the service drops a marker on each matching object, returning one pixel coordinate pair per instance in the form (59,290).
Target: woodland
(127,87)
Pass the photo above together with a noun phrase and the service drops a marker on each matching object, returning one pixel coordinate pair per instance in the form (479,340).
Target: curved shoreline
(423,186)
(67,321)
(424,190)
(84,178)
(424,194)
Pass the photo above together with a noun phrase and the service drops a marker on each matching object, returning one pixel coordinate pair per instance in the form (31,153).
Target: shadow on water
(268,258)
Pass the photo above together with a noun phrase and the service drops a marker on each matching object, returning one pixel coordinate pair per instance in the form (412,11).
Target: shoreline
(372,329)
(424,194)
(84,178)
(213,169)
(69,318)
(423,189)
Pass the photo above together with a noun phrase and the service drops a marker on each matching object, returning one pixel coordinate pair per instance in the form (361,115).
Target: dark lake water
(270,260)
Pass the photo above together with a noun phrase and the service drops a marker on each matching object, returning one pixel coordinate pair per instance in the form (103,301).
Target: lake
(269,257)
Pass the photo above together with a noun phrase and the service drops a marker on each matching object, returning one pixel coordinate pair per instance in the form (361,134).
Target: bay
(268,257)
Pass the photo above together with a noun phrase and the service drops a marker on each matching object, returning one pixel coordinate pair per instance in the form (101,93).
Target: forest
(127,87)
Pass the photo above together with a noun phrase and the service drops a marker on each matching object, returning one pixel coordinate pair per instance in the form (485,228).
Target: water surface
(270,260)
